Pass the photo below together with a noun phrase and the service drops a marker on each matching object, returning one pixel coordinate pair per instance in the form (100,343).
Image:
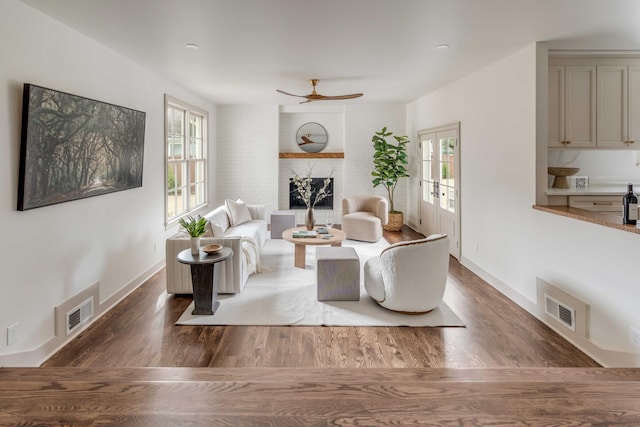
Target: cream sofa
(245,240)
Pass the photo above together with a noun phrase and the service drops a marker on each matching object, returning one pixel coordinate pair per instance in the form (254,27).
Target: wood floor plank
(263,396)
(381,375)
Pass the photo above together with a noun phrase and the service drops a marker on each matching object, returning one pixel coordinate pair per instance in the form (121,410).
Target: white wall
(52,253)
(496,107)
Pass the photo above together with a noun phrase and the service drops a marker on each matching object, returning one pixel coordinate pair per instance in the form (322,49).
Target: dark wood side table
(205,288)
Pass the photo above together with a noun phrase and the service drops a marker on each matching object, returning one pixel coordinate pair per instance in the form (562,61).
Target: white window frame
(189,176)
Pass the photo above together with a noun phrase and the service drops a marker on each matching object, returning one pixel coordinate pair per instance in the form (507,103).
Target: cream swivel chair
(364,216)
(409,277)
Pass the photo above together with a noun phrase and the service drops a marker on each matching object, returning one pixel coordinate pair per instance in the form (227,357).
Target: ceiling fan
(315,96)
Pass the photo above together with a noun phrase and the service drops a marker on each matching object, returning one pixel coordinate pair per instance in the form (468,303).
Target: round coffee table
(301,243)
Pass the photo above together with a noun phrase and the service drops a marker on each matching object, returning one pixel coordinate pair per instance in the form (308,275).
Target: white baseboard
(37,356)
(607,358)
(413,226)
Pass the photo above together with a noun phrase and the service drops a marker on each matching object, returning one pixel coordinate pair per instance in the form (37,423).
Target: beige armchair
(409,277)
(364,216)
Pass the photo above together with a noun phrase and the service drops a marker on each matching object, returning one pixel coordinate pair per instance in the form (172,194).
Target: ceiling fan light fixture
(192,46)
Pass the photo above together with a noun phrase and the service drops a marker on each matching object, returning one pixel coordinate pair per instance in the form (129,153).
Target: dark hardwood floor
(134,367)
(140,332)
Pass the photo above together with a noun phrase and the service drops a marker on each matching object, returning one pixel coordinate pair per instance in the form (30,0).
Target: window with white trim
(186,158)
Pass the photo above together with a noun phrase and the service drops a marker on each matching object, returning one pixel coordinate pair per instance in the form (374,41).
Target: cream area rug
(282,294)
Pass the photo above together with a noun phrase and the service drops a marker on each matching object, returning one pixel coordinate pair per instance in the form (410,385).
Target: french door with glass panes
(439,183)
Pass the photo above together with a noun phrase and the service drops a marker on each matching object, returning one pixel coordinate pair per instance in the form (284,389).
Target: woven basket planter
(395,222)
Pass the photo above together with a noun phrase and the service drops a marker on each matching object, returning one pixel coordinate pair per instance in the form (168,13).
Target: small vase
(195,245)
(310,219)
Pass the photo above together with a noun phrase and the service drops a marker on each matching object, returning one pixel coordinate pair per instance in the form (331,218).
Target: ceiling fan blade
(315,96)
(350,96)
(290,94)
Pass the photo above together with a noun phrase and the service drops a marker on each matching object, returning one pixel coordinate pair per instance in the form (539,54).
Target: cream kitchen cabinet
(618,106)
(608,204)
(572,107)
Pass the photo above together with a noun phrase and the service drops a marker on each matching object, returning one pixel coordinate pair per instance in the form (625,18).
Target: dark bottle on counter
(629,207)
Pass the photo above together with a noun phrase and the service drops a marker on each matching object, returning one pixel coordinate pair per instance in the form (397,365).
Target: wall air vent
(559,311)
(79,315)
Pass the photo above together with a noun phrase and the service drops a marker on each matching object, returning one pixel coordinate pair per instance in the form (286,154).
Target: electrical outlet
(634,336)
(12,333)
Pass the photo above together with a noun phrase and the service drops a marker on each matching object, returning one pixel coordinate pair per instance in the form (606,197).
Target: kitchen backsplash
(601,166)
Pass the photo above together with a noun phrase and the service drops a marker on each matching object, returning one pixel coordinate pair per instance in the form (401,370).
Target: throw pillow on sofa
(213,230)
(238,212)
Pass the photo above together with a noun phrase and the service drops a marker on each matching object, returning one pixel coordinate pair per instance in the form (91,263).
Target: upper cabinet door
(634,107)
(594,106)
(612,106)
(556,107)
(580,106)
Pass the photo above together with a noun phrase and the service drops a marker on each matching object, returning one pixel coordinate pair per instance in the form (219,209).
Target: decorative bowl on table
(561,174)
(211,249)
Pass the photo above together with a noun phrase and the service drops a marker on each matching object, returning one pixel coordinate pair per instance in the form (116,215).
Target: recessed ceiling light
(442,46)
(192,46)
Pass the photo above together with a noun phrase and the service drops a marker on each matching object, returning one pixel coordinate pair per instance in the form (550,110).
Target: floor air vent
(79,315)
(559,311)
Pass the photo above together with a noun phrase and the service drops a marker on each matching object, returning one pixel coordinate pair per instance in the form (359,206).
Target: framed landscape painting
(74,147)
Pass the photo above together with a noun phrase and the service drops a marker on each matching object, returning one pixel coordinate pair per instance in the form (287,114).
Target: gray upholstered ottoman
(280,221)
(337,274)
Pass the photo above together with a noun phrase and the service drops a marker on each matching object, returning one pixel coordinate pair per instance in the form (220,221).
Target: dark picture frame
(74,147)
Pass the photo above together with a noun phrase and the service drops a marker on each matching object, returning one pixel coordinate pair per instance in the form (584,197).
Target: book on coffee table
(305,233)
(323,230)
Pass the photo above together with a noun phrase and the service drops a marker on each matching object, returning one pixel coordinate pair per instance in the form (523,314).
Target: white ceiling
(383,48)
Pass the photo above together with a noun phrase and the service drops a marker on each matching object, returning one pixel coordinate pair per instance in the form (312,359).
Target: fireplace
(316,184)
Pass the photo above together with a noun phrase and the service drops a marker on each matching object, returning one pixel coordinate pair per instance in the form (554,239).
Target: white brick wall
(362,121)
(247,154)
(333,122)
(249,139)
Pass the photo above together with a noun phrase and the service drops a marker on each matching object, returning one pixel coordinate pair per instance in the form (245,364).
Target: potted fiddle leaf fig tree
(195,227)
(389,165)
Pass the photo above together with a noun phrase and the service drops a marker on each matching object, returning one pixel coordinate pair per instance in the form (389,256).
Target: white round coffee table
(301,243)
